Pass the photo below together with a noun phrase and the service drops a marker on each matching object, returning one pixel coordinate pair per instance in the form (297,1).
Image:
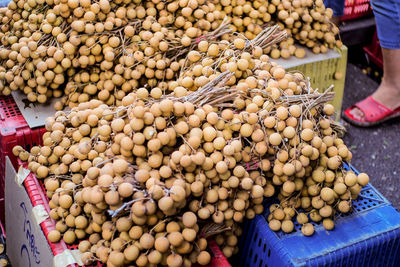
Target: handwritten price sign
(30,250)
(26,246)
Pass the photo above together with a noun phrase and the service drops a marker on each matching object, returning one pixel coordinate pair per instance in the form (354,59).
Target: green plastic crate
(321,70)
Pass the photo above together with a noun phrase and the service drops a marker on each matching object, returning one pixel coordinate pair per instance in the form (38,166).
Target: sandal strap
(373,110)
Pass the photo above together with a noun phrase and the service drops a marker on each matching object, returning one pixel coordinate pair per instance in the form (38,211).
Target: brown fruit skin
(131,253)
(307,229)
(328,224)
(162,244)
(203,258)
(175,239)
(116,128)
(174,260)
(147,241)
(69,237)
(363,179)
(275,225)
(54,236)
(116,258)
(287,226)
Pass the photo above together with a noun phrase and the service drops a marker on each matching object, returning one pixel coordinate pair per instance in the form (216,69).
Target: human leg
(387,96)
(338,9)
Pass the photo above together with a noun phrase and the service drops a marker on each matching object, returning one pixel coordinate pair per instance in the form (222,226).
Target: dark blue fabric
(336,5)
(387,16)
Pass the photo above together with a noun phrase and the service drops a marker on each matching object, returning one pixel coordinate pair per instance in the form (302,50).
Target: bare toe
(357,113)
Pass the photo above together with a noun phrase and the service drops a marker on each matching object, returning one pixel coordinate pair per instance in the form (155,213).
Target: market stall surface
(376,150)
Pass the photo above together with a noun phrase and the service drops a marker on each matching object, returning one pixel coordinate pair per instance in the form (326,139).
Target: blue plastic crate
(368,236)
(4,3)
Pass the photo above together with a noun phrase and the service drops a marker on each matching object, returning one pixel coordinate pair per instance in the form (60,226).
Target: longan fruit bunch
(113,45)
(317,203)
(308,22)
(100,159)
(314,186)
(180,168)
(80,50)
(242,58)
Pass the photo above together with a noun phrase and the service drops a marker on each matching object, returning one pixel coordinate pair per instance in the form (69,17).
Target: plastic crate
(355,9)
(36,192)
(14,130)
(38,197)
(369,236)
(324,79)
(374,51)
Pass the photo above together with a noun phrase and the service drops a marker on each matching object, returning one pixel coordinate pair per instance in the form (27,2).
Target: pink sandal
(374,113)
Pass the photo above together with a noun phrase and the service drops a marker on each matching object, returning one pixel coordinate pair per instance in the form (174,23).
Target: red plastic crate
(374,51)
(355,9)
(218,259)
(36,193)
(14,130)
(38,197)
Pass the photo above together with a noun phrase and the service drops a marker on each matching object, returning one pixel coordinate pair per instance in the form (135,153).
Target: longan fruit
(287,226)
(175,239)
(302,218)
(161,244)
(203,258)
(329,109)
(275,225)
(69,237)
(189,219)
(350,179)
(54,236)
(328,224)
(363,179)
(146,241)
(16,150)
(307,229)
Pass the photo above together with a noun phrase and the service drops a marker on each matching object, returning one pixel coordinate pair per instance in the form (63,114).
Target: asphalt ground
(376,150)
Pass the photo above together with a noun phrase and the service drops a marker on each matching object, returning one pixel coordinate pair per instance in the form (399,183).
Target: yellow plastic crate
(321,70)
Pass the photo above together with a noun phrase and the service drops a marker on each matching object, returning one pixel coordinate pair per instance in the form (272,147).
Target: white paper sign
(26,243)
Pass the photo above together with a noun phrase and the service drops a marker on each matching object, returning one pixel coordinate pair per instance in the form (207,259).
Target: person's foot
(386,94)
